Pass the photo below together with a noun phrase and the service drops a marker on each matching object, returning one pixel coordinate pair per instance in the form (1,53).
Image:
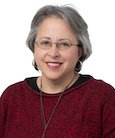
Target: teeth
(53,64)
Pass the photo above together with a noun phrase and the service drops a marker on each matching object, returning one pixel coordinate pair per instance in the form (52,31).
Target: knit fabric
(85,111)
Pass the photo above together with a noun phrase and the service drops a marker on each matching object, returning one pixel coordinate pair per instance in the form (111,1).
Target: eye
(45,42)
(65,44)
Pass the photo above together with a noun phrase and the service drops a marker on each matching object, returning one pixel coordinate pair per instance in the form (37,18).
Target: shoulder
(100,88)
(99,84)
(16,89)
(94,88)
(97,93)
(92,82)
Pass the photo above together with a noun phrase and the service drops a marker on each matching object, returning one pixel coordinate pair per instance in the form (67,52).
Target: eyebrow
(61,39)
(45,38)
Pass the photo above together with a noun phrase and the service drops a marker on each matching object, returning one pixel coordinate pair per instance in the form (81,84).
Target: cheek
(73,60)
(73,57)
(37,56)
(38,53)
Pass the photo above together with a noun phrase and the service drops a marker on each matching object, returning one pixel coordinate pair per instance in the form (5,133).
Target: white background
(15,20)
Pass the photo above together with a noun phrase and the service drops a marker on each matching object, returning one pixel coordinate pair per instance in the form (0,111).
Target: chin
(53,76)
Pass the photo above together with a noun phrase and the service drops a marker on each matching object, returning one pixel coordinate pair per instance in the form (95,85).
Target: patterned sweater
(86,110)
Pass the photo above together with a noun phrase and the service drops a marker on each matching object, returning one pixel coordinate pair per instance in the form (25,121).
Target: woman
(61,103)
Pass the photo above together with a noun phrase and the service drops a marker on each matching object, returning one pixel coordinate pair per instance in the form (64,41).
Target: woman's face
(53,62)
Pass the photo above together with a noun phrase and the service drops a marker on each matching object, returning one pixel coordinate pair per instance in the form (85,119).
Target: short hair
(71,16)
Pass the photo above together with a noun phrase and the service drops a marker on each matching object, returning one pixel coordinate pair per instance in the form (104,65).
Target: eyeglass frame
(57,44)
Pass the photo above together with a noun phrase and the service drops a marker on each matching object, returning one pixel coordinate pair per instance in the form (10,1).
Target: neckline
(68,85)
(31,81)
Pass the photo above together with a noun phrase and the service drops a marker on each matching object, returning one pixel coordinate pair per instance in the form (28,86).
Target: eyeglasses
(63,44)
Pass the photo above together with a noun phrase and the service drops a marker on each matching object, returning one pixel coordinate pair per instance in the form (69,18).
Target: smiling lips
(54,65)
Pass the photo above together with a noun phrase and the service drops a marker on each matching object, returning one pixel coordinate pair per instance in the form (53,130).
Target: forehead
(55,27)
(59,40)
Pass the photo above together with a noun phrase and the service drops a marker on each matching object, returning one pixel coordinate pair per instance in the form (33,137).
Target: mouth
(54,65)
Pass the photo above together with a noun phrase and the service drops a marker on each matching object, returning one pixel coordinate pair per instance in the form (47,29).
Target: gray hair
(71,16)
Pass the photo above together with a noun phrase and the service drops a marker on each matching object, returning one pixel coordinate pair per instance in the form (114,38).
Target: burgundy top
(86,110)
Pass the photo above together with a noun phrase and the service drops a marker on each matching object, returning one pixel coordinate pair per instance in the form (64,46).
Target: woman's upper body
(86,110)
(70,107)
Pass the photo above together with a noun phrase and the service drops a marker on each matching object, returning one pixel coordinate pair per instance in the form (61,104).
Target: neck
(56,86)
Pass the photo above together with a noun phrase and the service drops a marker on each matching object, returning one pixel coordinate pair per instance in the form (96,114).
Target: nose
(53,51)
